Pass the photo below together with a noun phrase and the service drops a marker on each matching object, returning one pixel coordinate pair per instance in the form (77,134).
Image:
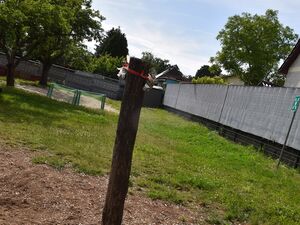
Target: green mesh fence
(76,96)
(98,97)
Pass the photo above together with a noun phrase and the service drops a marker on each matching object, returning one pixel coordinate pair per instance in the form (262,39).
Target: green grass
(20,81)
(174,159)
(115,104)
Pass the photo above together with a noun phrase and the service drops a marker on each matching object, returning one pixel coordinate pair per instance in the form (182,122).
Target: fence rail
(76,94)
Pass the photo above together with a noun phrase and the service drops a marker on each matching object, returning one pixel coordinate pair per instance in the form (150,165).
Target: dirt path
(67,97)
(39,194)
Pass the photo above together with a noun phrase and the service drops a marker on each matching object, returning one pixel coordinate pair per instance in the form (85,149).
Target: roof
(163,73)
(170,73)
(284,69)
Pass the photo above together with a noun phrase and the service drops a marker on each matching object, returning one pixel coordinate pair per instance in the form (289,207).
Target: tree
(77,57)
(215,70)
(17,19)
(65,24)
(276,79)
(157,65)
(114,44)
(203,71)
(107,65)
(253,45)
(209,71)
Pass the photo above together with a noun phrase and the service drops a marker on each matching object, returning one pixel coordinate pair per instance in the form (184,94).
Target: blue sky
(184,31)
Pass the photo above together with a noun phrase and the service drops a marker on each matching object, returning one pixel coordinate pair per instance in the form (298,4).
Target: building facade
(291,68)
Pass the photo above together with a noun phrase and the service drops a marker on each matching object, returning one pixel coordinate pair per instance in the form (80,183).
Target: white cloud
(179,48)
(152,34)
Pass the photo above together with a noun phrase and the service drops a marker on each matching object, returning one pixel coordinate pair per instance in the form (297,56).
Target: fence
(31,70)
(260,113)
(73,96)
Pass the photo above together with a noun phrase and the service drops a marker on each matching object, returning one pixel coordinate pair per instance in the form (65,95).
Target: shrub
(208,80)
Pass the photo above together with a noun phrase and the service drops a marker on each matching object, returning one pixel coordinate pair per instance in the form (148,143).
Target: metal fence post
(74,100)
(50,90)
(103,98)
(78,97)
(295,108)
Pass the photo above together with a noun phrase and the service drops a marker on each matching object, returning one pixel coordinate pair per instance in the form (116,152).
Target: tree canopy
(203,71)
(253,45)
(66,24)
(17,21)
(208,71)
(114,43)
(107,65)
(44,30)
(77,57)
(157,65)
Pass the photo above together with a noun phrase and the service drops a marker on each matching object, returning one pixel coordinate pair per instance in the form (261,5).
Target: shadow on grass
(20,106)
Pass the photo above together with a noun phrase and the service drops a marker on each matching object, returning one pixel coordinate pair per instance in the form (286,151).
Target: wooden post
(124,144)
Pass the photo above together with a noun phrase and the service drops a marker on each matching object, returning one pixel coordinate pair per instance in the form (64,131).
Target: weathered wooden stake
(124,144)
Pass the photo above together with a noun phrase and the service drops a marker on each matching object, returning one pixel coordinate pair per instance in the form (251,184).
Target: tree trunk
(124,144)
(10,76)
(44,75)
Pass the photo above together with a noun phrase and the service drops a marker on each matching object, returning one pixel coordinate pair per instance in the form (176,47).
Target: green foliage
(65,24)
(107,65)
(44,29)
(203,71)
(215,70)
(253,45)
(208,71)
(114,44)
(277,79)
(208,80)
(77,57)
(17,20)
(157,65)
(174,159)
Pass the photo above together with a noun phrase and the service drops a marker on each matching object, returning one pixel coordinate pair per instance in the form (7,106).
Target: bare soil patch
(40,194)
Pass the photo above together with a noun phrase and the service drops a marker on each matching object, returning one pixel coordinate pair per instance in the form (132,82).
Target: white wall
(293,76)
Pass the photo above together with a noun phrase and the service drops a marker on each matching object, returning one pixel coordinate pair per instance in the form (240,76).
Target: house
(291,67)
(171,75)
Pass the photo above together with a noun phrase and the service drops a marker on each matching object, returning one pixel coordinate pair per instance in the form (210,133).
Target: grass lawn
(174,159)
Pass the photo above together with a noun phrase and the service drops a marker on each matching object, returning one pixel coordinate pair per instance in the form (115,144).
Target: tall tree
(253,45)
(67,23)
(157,65)
(17,19)
(77,57)
(107,65)
(208,71)
(203,71)
(215,70)
(114,44)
